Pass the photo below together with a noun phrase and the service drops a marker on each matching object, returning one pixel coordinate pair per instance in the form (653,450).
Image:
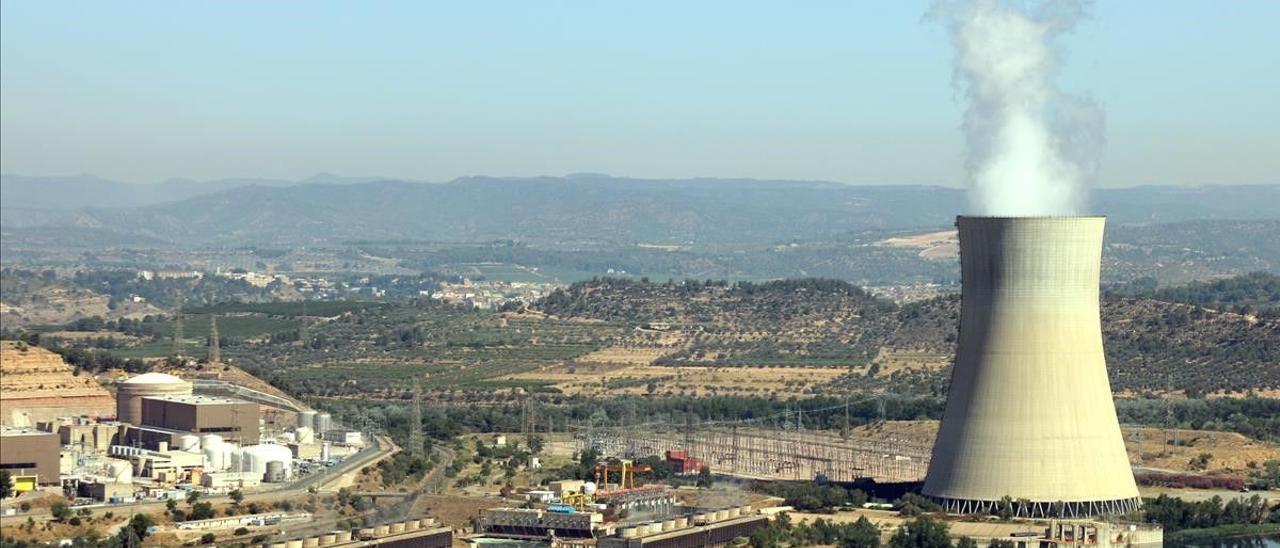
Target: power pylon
(416,441)
(178,335)
(215,354)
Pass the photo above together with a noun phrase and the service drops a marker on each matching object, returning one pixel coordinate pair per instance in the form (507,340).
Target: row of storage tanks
(702,518)
(364,533)
(221,456)
(317,422)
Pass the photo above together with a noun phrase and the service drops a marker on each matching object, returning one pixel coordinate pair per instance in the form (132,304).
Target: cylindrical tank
(323,421)
(277,545)
(681,523)
(328,539)
(627,532)
(380,531)
(214,459)
(396,528)
(1029,411)
(274,472)
(305,435)
(120,471)
(307,419)
(326,451)
(342,536)
(310,542)
(427,522)
(162,446)
(669,525)
(411,525)
(129,393)
(189,443)
(254,458)
(366,533)
(210,440)
(294,543)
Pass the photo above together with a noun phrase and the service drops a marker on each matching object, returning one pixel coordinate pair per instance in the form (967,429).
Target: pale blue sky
(849,91)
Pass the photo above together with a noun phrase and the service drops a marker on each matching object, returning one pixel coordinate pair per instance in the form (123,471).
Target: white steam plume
(1030,149)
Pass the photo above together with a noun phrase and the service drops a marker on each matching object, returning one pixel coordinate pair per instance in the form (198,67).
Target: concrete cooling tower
(1029,414)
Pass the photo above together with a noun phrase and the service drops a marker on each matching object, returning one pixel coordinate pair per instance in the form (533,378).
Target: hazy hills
(578,208)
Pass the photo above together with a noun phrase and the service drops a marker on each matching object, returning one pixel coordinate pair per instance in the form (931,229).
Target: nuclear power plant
(1029,414)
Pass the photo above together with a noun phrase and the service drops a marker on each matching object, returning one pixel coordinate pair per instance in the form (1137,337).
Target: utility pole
(215,355)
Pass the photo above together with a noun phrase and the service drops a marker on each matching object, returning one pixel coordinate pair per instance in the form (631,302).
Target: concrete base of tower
(1041,509)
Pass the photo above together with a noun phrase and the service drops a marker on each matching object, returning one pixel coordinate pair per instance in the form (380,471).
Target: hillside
(1151,345)
(549,209)
(37,385)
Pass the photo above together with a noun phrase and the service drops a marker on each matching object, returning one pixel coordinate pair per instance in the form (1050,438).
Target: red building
(682,463)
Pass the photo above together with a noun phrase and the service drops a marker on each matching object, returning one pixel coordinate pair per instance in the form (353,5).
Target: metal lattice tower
(416,441)
(215,353)
(178,334)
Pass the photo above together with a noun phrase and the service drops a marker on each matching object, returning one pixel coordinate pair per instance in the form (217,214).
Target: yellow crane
(626,471)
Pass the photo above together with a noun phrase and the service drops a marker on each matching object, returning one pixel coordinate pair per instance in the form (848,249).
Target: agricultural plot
(287,309)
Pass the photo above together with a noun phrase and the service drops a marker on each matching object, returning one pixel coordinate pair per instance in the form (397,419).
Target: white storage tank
(254,458)
(326,451)
(307,419)
(120,471)
(305,435)
(323,421)
(214,460)
(210,440)
(189,443)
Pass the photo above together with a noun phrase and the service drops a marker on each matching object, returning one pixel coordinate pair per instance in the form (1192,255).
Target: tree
(921,532)
(236,497)
(704,477)
(208,538)
(1002,543)
(6,484)
(201,510)
(170,505)
(60,511)
(535,444)
(140,525)
(192,497)
(966,542)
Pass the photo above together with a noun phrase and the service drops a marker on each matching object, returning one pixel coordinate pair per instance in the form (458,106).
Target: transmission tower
(416,441)
(177,329)
(302,329)
(215,354)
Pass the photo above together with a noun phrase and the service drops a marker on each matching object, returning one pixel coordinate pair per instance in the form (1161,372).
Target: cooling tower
(1029,414)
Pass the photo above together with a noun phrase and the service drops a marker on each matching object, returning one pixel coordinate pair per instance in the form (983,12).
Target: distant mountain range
(582,208)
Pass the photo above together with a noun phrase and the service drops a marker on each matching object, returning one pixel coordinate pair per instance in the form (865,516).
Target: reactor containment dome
(129,393)
(1029,413)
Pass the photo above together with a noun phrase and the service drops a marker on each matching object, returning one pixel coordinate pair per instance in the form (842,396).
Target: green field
(196,327)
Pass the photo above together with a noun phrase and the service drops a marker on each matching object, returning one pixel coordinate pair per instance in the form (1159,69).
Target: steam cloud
(1030,149)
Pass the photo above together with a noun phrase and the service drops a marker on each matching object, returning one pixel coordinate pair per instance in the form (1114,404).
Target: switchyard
(761,450)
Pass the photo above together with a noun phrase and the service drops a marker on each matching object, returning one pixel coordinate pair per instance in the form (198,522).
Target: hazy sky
(849,91)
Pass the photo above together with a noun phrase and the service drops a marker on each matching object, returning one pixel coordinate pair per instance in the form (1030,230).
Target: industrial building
(414,533)
(30,456)
(129,394)
(232,419)
(1029,413)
